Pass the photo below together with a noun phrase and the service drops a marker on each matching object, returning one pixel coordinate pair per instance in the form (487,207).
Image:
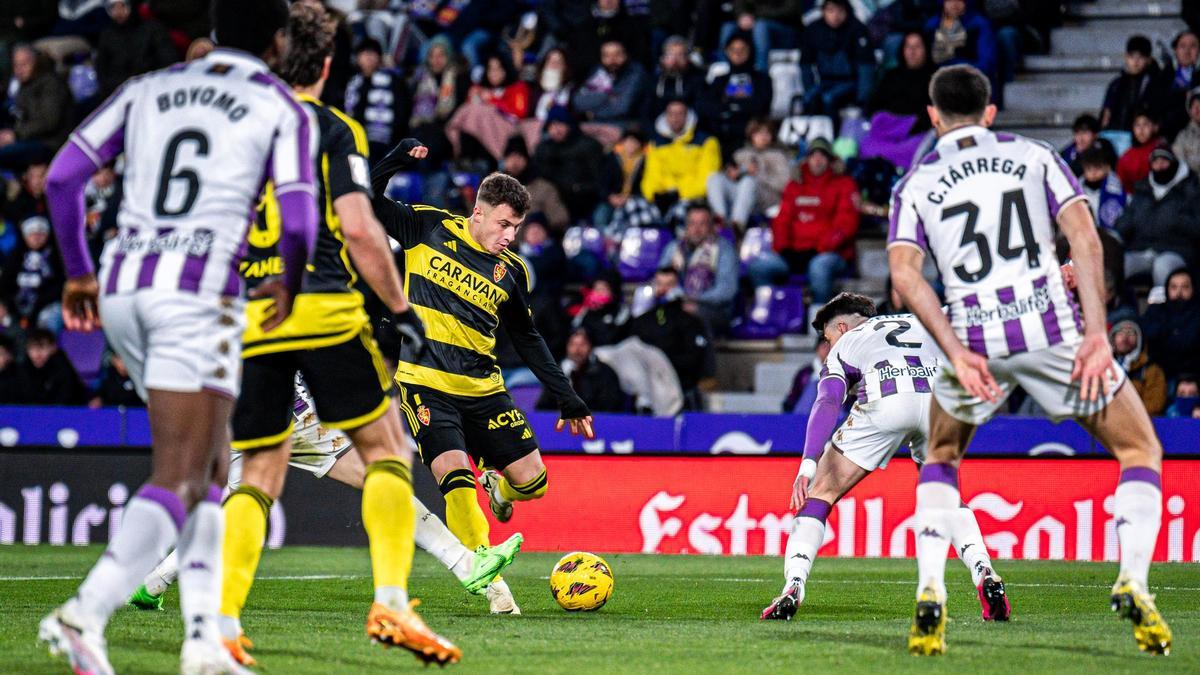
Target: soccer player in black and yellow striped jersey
(327,338)
(464,283)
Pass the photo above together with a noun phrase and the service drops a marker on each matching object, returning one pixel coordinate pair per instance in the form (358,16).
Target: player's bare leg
(389,519)
(1124,427)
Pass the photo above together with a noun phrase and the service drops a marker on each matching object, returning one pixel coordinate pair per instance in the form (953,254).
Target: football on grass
(581,582)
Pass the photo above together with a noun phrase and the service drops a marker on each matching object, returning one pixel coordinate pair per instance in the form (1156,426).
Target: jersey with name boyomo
(200,139)
(984,205)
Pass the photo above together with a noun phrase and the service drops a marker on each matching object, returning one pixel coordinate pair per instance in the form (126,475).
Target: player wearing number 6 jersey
(199,140)
(892,360)
(985,205)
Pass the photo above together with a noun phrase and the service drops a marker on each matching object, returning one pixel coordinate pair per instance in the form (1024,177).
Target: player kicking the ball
(985,205)
(328,452)
(892,360)
(198,140)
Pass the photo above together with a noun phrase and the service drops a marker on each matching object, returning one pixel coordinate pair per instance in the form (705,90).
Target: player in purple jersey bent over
(986,205)
(199,141)
(891,360)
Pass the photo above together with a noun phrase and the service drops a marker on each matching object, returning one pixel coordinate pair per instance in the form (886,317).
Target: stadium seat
(86,352)
(641,247)
(583,239)
(643,300)
(773,312)
(755,244)
(406,187)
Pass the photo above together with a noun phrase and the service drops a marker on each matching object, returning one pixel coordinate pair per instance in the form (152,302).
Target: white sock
(161,577)
(937,500)
(200,567)
(230,627)
(150,526)
(500,585)
(392,597)
(968,544)
(1138,511)
(807,535)
(437,540)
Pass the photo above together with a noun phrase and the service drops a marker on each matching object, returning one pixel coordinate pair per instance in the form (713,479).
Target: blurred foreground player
(985,205)
(328,338)
(198,140)
(891,359)
(465,284)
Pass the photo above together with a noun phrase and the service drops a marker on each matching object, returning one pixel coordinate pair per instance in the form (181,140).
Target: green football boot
(490,562)
(142,599)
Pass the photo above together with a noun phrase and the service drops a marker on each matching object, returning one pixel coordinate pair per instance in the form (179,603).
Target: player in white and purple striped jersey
(892,361)
(199,140)
(986,206)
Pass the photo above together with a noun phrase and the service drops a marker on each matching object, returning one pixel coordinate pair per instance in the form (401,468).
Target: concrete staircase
(1086,54)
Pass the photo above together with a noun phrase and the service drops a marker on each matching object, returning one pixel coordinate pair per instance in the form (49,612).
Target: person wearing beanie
(543,196)
(1134,89)
(377,98)
(1172,328)
(1161,226)
(32,281)
(572,161)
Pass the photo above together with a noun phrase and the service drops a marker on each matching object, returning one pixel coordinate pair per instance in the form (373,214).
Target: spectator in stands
(677,78)
(130,46)
(601,310)
(837,61)
(437,88)
(102,199)
(378,98)
(1085,133)
(612,95)
(31,196)
(547,266)
(680,335)
(41,108)
(804,385)
(1134,165)
(10,381)
(1187,143)
(680,158)
(116,389)
(544,197)
(492,109)
(605,21)
(595,382)
(1187,397)
(32,280)
(1147,378)
(904,90)
(1172,328)
(1134,89)
(623,178)
(815,227)
(735,98)
(554,85)
(1177,81)
(1103,189)
(708,266)
(770,24)
(961,35)
(46,376)
(753,182)
(573,162)
(1161,226)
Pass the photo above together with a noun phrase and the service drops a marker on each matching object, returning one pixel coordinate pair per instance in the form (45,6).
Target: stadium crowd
(682,156)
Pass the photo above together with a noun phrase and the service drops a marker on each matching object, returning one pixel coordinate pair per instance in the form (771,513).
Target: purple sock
(815,508)
(939,473)
(1142,473)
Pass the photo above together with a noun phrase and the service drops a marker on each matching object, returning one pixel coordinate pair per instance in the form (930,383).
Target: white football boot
(83,646)
(500,598)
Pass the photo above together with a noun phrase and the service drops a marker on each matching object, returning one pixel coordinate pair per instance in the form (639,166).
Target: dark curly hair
(310,30)
(843,304)
(498,188)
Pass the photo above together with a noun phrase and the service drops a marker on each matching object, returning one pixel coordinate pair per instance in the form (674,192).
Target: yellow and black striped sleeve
(517,319)
(346,151)
(399,220)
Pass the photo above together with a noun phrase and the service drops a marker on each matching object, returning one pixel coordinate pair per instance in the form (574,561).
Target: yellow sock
(464,516)
(525,491)
(390,522)
(245,528)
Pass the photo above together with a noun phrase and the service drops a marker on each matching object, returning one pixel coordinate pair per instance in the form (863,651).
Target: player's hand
(803,481)
(972,372)
(411,330)
(1094,366)
(577,425)
(411,148)
(81,303)
(1070,279)
(281,303)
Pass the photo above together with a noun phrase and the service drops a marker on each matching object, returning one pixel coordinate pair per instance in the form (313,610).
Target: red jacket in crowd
(818,213)
(1134,165)
(512,100)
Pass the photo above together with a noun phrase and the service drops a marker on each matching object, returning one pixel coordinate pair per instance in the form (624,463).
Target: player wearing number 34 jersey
(986,207)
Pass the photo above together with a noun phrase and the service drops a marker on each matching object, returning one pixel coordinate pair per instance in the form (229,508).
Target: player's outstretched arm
(970,368)
(1093,361)
(822,419)
(65,185)
(399,220)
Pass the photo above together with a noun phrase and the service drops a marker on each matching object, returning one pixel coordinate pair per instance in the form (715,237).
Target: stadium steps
(1121,9)
(1107,36)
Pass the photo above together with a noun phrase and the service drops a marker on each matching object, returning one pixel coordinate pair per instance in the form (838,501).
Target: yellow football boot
(927,637)
(1130,600)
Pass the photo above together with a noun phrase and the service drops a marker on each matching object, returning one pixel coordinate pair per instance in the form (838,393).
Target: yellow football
(581,582)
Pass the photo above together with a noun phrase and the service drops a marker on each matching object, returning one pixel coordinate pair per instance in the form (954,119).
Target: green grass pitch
(668,614)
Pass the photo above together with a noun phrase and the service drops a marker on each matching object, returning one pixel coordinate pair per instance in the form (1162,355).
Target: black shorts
(349,384)
(491,429)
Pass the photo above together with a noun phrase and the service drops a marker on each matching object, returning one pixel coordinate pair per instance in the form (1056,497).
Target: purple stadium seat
(582,239)
(86,352)
(641,247)
(755,244)
(773,312)
(406,187)
(643,300)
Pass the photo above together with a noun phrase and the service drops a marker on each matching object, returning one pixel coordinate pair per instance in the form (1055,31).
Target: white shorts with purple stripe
(177,340)
(1044,374)
(874,431)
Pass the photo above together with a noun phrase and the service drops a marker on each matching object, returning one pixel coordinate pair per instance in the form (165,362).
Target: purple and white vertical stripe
(1014,335)
(975,339)
(920,384)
